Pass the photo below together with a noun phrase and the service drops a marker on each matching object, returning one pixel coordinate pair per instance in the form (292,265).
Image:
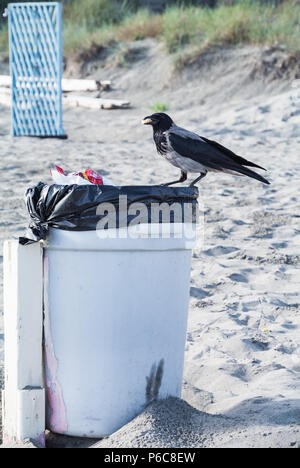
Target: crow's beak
(148,121)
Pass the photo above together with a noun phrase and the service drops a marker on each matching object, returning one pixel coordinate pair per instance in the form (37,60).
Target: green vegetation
(159,107)
(132,28)
(194,30)
(105,21)
(4,39)
(185,30)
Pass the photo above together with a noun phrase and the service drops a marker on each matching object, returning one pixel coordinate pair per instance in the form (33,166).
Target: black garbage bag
(90,207)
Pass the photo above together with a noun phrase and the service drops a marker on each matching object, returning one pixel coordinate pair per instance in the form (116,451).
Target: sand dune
(242,361)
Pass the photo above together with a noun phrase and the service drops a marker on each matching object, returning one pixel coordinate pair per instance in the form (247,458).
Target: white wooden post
(24,394)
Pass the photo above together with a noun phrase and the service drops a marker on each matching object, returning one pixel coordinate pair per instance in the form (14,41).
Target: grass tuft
(159,107)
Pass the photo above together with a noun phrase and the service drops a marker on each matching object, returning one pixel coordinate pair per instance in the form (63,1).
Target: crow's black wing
(231,154)
(191,145)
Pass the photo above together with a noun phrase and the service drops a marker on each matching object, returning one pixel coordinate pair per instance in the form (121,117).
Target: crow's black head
(159,121)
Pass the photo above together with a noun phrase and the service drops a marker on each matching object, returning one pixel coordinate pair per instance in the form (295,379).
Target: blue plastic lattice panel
(35,40)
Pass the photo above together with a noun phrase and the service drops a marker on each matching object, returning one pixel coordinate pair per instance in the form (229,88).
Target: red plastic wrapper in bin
(86,177)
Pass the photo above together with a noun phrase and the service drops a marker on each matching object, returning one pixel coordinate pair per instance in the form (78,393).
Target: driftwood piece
(5,97)
(5,81)
(68,85)
(74,101)
(5,91)
(84,85)
(94,103)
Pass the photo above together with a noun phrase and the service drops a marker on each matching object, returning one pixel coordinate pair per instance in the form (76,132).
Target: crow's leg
(183,178)
(198,178)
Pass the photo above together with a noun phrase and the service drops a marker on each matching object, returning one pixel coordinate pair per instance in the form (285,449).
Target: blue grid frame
(35,47)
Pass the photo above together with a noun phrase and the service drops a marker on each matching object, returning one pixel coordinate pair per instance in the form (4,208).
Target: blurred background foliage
(114,10)
(196,24)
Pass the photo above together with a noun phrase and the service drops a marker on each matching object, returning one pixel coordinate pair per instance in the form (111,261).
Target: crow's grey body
(193,153)
(183,163)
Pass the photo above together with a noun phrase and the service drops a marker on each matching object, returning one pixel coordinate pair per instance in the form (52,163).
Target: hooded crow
(193,153)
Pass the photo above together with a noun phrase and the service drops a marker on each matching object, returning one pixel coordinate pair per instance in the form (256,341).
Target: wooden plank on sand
(75,101)
(94,103)
(68,85)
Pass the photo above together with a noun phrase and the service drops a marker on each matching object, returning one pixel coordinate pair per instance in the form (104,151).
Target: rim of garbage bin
(180,191)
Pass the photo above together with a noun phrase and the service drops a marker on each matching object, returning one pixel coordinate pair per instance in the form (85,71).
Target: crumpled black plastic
(73,207)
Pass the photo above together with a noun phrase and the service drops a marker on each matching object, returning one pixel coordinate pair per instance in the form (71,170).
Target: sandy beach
(242,360)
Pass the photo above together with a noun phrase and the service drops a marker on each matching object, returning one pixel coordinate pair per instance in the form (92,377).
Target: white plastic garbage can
(115,327)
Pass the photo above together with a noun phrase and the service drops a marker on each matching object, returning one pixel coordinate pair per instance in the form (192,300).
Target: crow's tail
(250,173)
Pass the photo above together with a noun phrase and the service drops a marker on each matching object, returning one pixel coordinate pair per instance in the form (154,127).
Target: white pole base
(24,394)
